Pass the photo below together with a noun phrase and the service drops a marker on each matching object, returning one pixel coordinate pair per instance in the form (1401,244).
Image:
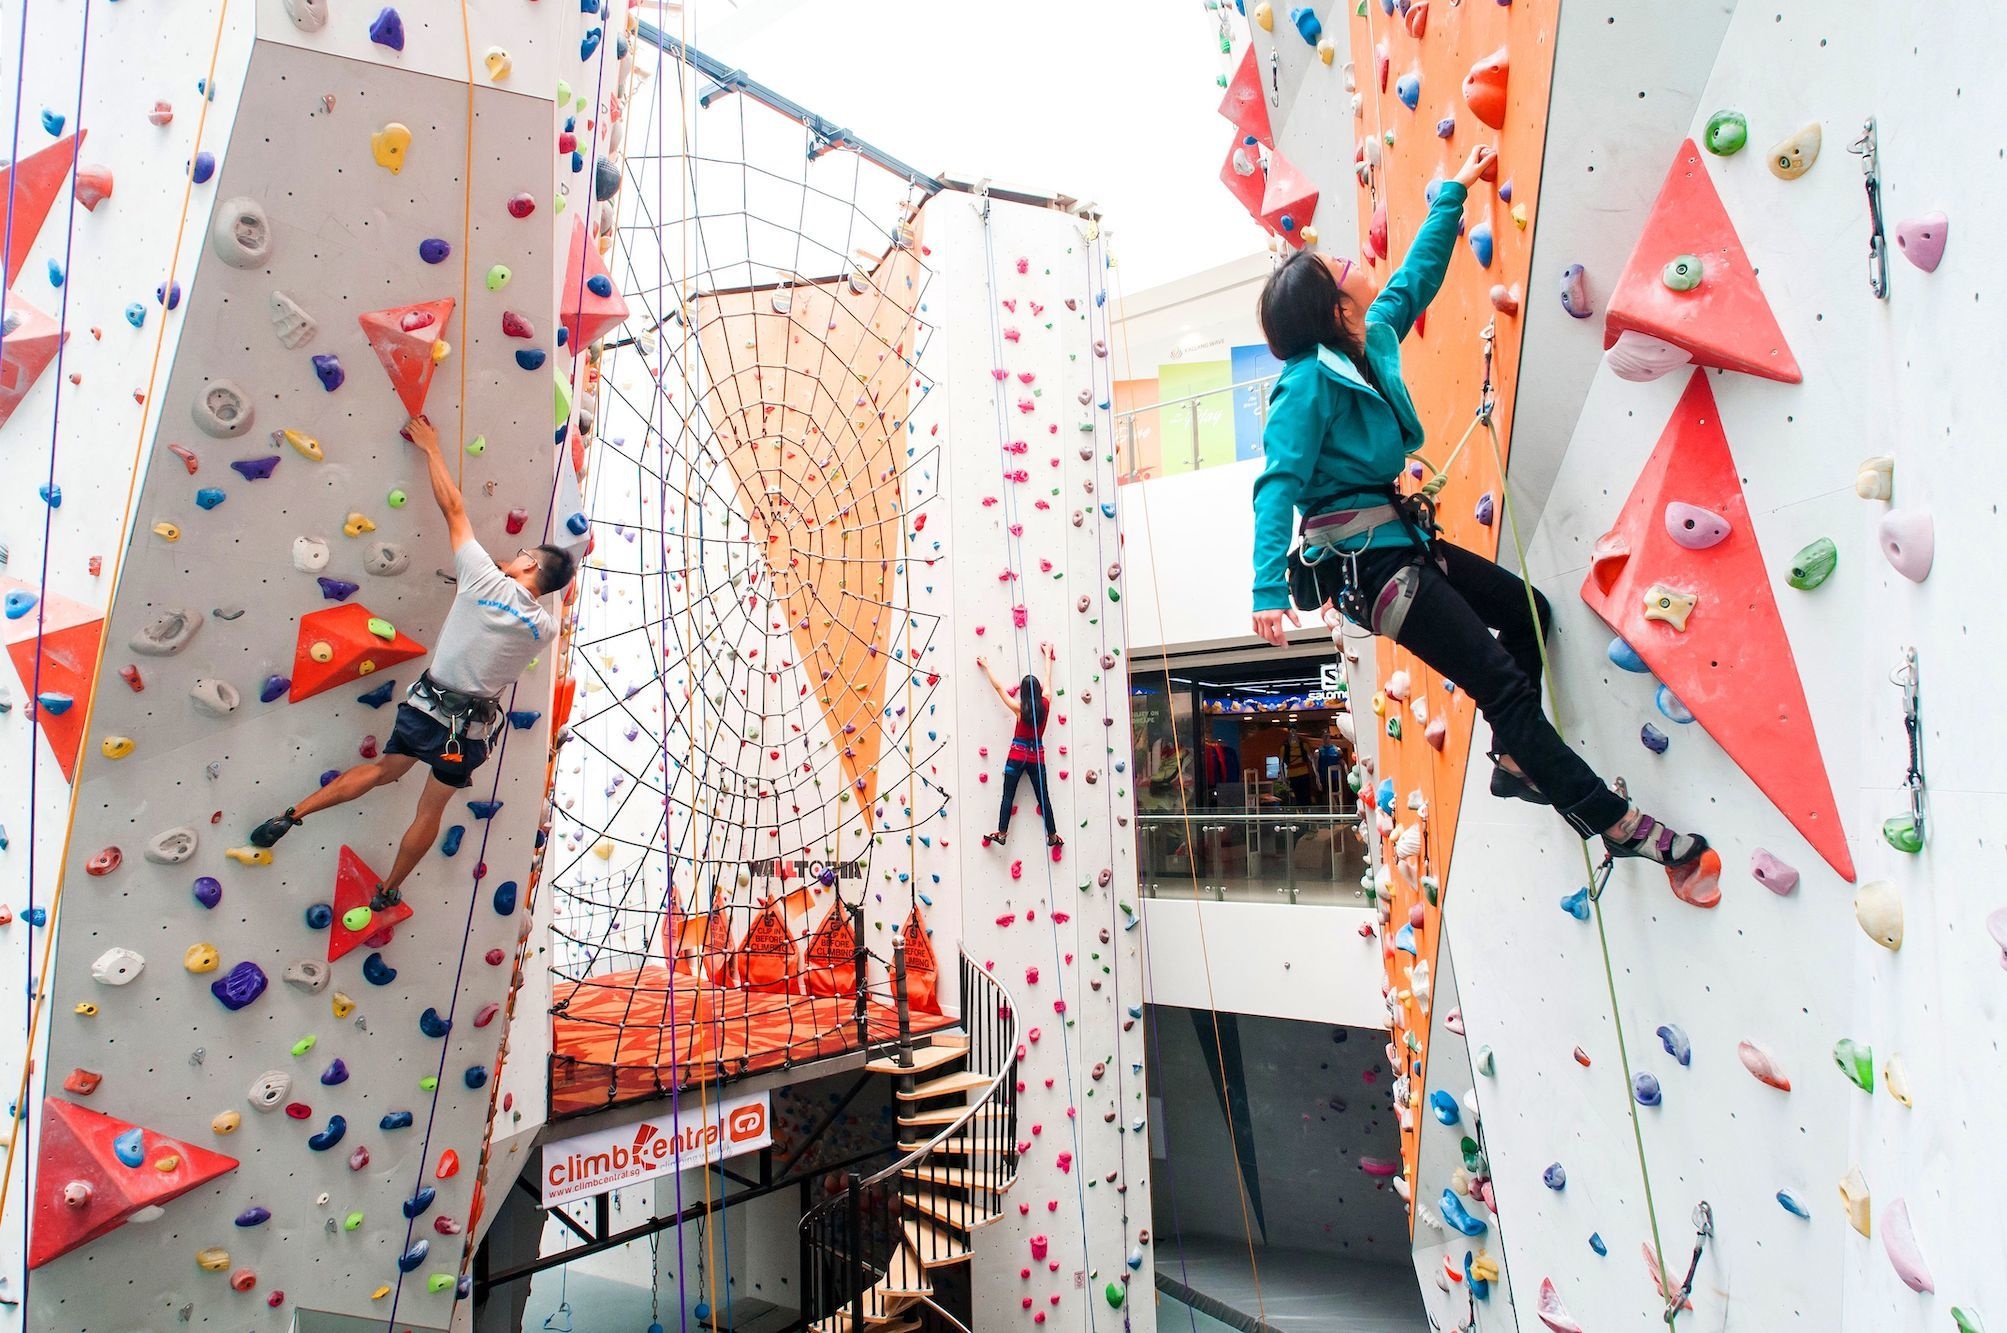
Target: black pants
(1304,790)
(1450,626)
(1035,770)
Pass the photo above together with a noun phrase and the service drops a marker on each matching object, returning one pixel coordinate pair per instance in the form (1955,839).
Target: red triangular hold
(27,346)
(1289,194)
(70,634)
(587,314)
(1732,664)
(402,338)
(354,885)
(355,652)
(76,1150)
(1247,188)
(33,184)
(1725,322)
(1245,104)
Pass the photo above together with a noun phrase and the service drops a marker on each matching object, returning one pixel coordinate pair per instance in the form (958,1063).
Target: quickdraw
(1865,148)
(1703,1228)
(1905,833)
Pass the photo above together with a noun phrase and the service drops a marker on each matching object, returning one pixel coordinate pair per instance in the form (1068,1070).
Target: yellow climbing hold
(249,856)
(388,146)
(1854,1194)
(379,1293)
(441,349)
(212,1260)
(116,747)
(1896,1075)
(225,1122)
(167,1163)
(201,958)
(86,1010)
(603,849)
(167,532)
(1264,17)
(1878,907)
(357,524)
(498,63)
(1669,605)
(343,1006)
(321,650)
(307,445)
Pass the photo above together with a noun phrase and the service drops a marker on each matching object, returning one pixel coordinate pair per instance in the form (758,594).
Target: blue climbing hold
(319,916)
(273,687)
(702,1310)
(52,496)
(1442,1102)
(450,844)
(530,358)
(1554,1177)
(432,1025)
(388,29)
(522,719)
(1409,89)
(1457,1216)
(335,1073)
(484,809)
(54,704)
(605,179)
(209,497)
(1480,1289)
(1625,658)
(415,1206)
(395,1120)
(254,1217)
(327,368)
(1669,704)
(208,892)
(240,985)
(168,294)
(377,972)
(1645,1087)
(55,274)
(590,43)
(1654,740)
(36,916)
(1383,796)
(476,1076)
(336,590)
(411,1258)
(1576,904)
(1307,23)
(256,469)
(577,525)
(135,315)
(19,603)
(52,122)
(505,898)
(1790,1204)
(379,696)
(1404,938)
(1673,1037)
(1596,1243)
(599,285)
(1480,243)
(329,1137)
(1446,127)
(329,775)
(203,167)
(433,250)
(131,1146)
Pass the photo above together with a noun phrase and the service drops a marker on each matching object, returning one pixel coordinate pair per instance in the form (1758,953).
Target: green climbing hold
(1814,564)
(304,1044)
(1857,1062)
(478,445)
(1967,1321)
(1727,133)
(351,1222)
(498,277)
(438,1282)
(1486,1063)
(1902,834)
(382,628)
(1116,1294)
(1394,726)
(356,918)
(397,499)
(1682,273)
(429,1083)
(1114,595)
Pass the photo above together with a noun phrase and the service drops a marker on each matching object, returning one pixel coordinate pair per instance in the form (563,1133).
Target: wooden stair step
(947,1115)
(891,1323)
(961,1146)
(935,1246)
(958,1214)
(957,1177)
(924,1059)
(905,1276)
(949,1085)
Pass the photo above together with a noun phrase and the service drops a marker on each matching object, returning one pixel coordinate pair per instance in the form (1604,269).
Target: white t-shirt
(493,630)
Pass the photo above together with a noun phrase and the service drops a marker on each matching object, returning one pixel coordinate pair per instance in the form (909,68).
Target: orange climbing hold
(402,338)
(1723,321)
(1731,665)
(69,653)
(1245,104)
(1484,88)
(355,884)
(82,1189)
(33,184)
(335,647)
(26,350)
(587,313)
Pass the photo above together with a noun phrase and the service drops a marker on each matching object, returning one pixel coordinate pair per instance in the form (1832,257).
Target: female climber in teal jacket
(1340,429)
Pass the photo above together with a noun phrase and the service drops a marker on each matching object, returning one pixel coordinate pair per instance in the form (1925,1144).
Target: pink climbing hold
(1762,1065)
(1921,239)
(1552,1313)
(94,185)
(1908,539)
(1899,1240)
(1695,528)
(1772,873)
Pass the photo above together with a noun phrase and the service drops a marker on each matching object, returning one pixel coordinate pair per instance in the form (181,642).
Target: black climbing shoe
(1653,841)
(1509,786)
(994,839)
(384,899)
(1055,842)
(275,828)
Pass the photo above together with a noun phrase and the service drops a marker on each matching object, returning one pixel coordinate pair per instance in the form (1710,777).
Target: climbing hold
(530,358)
(329,1137)
(1442,1103)
(255,469)
(308,15)
(498,276)
(1669,605)
(249,856)
(1654,740)
(505,898)
(1899,1241)
(294,327)
(498,63)
(212,1260)
(1576,904)
(386,559)
(606,178)
(1921,239)
(1674,1039)
(1554,1314)
(1484,88)
(388,29)
(1908,541)
(357,524)
(388,146)
(1791,1205)
(395,1120)
(1727,132)
(1455,1214)
(1409,89)
(1876,478)
(1878,908)
(341,1005)
(1668,703)
(200,170)
(434,250)
(415,1206)
(1762,1065)
(106,861)
(1772,873)
(166,531)
(1895,1076)
(209,497)
(520,206)
(1813,564)
(241,235)
(1682,273)
(307,974)
(1486,1063)
(241,985)
(1575,292)
(201,958)
(222,410)
(94,186)
(1645,1087)
(411,1258)
(208,892)
(303,444)
(377,972)
(1855,1198)
(270,1090)
(432,1025)
(1794,156)
(1504,299)
(1695,528)
(1479,238)
(476,1076)
(1625,657)
(1856,1061)
(1555,1177)
(117,967)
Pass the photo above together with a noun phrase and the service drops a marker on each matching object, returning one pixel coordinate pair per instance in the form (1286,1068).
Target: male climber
(494,629)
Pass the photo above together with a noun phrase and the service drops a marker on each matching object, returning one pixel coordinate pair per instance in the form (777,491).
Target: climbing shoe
(273,829)
(994,839)
(1509,786)
(1653,841)
(384,899)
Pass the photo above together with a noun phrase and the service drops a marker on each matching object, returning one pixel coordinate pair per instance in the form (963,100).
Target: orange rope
(466,245)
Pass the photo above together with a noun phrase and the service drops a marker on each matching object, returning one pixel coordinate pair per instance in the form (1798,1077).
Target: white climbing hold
(294,326)
(1876,480)
(1878,907)
(1895,1074)
(223,410)
(172,847)
(1641,358)
(117,967)
(310,554)
(218,698)
(268,1091)
(167,633)
(308,15)
(241,235)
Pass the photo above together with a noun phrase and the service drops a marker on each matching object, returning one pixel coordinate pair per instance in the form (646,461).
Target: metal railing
(1295,856)
(1127,467)
(851,1242)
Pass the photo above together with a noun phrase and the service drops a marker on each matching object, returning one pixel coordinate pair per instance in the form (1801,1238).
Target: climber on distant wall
(1032,709)
(495,628)
(1340,427)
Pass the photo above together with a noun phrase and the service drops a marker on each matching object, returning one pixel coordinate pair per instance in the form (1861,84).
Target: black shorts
(424,737)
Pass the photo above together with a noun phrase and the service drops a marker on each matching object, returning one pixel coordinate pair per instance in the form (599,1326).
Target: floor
(1301,1291)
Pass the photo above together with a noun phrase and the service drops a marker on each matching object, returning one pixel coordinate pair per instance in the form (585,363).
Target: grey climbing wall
(302,1223)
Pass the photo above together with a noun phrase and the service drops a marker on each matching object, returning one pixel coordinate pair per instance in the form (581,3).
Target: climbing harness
(1905,833)
(1703,1228)
(1865,148)
(460,712)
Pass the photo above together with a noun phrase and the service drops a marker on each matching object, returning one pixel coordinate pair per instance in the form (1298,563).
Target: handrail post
(899,999)
(863,964)
(855,1248)
(1193,411)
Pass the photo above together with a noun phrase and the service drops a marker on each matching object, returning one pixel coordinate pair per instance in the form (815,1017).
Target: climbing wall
(316,1100)
(1720,1023)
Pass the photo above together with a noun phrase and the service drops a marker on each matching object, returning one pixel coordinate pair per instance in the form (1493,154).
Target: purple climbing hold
(256,469)
(1654,740)
(1772,873)
(1674,1038)
(432,1025)
(433,250)
(1645,1087)
(168,294)
(254,1217)
(336,590)
(208,891)
(1554,1177)
(388,29)
(273,687)
(336,1072)
(1505,192)
(240,986)
(329,371)
(1485,510)
(203,167)
(1575,292)
(1446,127)
(377,972)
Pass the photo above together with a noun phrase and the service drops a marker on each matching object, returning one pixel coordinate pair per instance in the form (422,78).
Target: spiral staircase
(889,1252)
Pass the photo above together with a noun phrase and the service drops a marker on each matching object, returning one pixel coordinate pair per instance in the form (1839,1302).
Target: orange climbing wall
(1444,366)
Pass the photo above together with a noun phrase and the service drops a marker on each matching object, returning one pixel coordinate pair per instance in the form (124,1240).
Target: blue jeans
(1035,770)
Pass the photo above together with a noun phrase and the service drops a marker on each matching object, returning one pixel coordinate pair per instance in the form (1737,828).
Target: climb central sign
(597,1162)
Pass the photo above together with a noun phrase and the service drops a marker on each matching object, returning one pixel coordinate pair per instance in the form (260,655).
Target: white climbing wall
(345,239)
(1794,973)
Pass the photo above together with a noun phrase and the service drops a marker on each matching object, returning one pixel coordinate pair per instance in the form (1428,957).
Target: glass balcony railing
(1198,430)
(1287,856)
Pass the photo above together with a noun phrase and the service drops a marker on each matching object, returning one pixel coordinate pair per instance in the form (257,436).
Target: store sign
(1330,678)
(595,1163)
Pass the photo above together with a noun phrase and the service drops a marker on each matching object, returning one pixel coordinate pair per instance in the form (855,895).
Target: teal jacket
(1331,438)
